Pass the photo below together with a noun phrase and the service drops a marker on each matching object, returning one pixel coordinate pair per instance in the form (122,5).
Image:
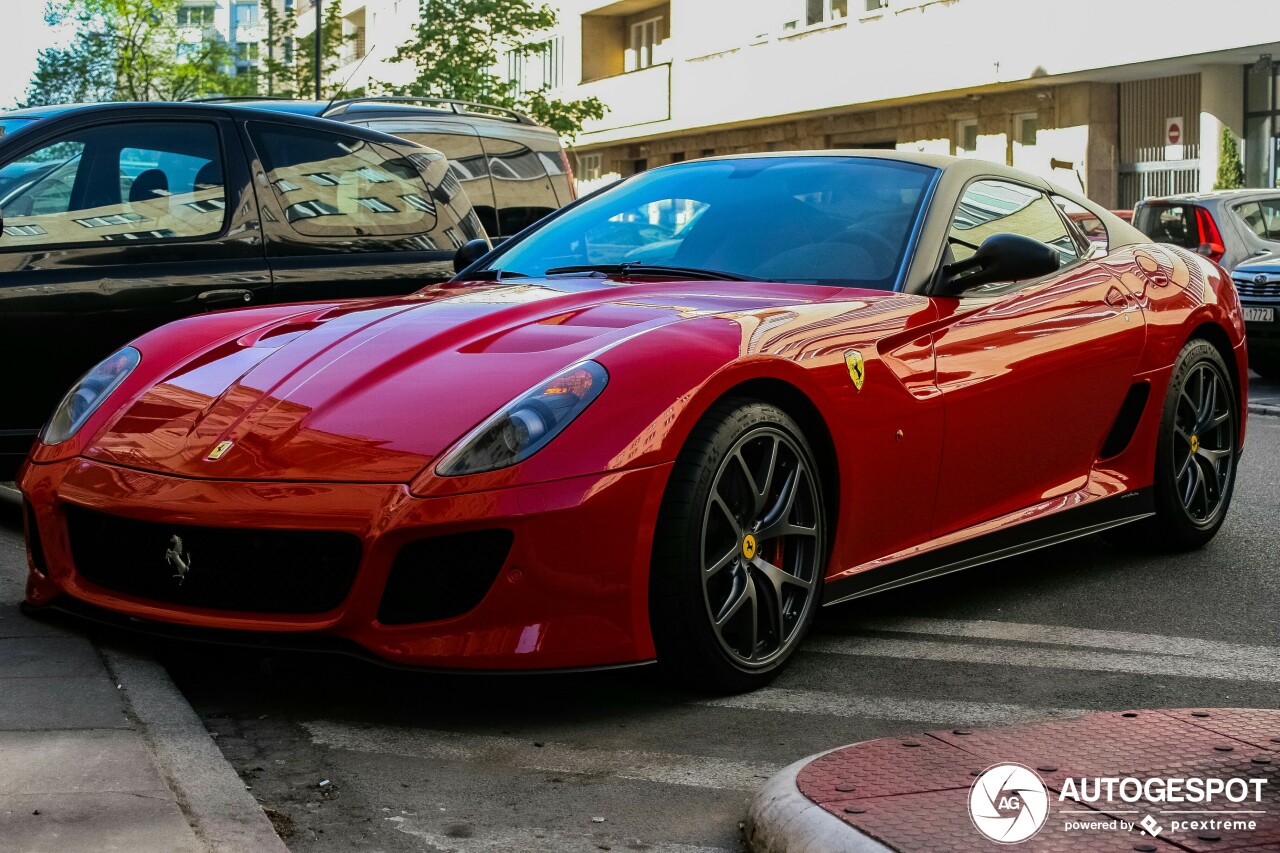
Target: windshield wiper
(494,275)
(640,268)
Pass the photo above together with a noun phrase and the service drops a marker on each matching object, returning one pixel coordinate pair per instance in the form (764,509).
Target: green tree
(129,50)
(456,47)
(288,68)
(1230,169)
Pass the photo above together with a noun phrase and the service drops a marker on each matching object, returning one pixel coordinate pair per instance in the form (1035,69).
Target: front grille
(221,568)
(1248,288)
(443,577)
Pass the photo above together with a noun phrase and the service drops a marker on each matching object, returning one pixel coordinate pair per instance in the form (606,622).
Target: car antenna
(350,76)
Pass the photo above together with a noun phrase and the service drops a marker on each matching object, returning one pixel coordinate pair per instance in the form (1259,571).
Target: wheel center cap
(749,547)
(1195,444)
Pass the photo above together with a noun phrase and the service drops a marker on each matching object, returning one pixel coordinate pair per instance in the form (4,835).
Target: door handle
(1115,297)
(211,299)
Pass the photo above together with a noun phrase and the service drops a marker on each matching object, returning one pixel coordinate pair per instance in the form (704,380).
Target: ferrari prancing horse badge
(853,360)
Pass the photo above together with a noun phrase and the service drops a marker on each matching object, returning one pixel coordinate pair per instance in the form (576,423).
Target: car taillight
(1211,245)
(568,171)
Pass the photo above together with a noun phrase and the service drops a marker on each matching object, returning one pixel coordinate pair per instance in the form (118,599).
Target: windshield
(822,220)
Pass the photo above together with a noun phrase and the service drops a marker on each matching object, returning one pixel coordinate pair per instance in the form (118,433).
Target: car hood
(1269,264)
(375,391)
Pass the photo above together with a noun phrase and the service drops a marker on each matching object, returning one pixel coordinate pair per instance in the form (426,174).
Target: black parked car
(117,218)
(514,170)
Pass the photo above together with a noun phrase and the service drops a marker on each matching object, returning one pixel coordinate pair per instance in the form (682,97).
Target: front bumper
(572,592)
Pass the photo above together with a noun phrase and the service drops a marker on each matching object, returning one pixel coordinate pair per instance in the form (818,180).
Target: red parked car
(814,378)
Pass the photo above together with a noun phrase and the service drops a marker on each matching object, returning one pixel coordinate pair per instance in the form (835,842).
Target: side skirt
(1043,532)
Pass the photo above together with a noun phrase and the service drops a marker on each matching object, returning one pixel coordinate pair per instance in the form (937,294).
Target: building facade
(1120,99)
(237,23)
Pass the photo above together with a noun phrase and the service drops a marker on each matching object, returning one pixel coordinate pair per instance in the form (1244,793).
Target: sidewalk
(100,752)
(1117,780)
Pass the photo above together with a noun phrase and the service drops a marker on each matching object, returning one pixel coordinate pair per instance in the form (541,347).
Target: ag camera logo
(1008,803)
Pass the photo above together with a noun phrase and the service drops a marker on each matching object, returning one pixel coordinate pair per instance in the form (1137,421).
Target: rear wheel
(739,551)
(1196,455)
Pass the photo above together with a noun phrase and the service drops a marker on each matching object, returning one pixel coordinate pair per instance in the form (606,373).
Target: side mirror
(468,253)
(1001,257)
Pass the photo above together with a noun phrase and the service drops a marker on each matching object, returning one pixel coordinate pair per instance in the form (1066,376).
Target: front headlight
(87,395)
(528,423)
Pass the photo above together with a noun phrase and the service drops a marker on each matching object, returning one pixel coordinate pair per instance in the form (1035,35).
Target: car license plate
(1260,315)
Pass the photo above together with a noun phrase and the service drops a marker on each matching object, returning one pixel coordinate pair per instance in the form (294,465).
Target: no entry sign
(1173,130)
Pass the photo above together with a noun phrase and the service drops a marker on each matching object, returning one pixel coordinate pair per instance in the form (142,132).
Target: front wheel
(1196,454)
(739,550)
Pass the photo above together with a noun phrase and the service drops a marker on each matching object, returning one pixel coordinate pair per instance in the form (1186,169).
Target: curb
(783,820)
(1262,409)
(224,815)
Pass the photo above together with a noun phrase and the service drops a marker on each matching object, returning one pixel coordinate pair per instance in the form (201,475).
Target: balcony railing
(634,98)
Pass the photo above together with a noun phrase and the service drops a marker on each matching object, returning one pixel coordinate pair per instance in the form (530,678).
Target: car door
(349,215)
(114,224)
(1032,374)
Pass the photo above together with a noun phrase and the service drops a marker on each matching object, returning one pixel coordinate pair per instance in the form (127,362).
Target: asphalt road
(622,761)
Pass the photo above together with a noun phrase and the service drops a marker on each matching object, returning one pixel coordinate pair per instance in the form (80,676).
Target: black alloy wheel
(740,549)
(1197,450)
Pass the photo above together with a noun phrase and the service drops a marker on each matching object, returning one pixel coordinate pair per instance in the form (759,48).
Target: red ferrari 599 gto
(668,422)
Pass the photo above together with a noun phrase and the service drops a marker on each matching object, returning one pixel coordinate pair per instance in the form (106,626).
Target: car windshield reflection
(842,221)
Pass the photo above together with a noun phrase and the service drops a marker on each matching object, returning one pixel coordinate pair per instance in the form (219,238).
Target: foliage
(129,50)
(1230,169)
(456,47)
(288,65)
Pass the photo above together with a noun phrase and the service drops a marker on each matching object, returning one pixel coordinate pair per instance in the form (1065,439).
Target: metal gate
(1144,107)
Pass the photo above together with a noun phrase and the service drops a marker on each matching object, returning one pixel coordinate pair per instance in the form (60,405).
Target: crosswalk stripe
(1082,637)
(1025,656)
(690,770)
(530,840)
(783,700)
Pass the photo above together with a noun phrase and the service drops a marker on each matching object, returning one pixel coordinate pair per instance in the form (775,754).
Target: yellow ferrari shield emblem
(219,449)
(749,547)
(857,370)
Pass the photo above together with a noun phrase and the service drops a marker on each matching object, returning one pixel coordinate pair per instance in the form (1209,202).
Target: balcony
(635,98)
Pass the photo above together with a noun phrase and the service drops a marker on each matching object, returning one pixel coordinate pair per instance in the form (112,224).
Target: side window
(1087,230)
(520,183)
(334,185)
(999,207)
(125,182)
(466,163)
(1262,218)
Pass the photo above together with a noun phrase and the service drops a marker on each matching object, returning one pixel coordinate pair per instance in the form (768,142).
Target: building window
(195,16)
(823,11)
(553,63)
(1262,124)
(966,141)
(515,71)
(246,14)
(590,167)
(876,5)
(645,36)
(1025,126)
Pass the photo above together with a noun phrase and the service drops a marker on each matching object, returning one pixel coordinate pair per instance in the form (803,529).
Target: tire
(1196,455)
(735,627)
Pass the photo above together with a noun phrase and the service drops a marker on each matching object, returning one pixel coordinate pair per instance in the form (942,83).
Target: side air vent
(34,545)
(443,577)
(1127,421)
